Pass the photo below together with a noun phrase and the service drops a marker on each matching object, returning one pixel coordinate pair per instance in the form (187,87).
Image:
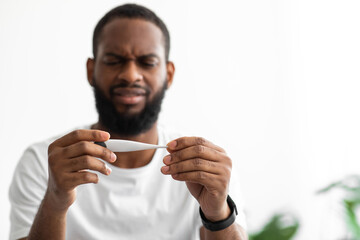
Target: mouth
(129,96)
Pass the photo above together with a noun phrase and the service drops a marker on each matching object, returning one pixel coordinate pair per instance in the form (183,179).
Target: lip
(129,96)
(129,91)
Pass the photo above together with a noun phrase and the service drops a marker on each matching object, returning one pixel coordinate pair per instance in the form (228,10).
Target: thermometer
(117,145)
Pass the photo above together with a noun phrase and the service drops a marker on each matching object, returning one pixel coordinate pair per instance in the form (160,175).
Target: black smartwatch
(220,225)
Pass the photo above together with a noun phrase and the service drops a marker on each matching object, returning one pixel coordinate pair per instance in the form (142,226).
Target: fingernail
(108,170)
(113,157)
(172,144)
(165,169)
(167,159)
(106,135)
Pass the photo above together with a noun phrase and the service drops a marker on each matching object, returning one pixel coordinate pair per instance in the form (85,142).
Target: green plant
(351,186)
(280,227)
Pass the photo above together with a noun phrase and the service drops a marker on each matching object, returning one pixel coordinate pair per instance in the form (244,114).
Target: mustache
(125,85)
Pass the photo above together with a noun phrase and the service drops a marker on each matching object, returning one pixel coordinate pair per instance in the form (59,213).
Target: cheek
(106,75)
(159,77)
(100,86)
(103,79)
(157,86)
(150,80)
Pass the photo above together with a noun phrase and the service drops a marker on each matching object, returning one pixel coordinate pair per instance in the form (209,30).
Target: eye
(111,60)
(148,62)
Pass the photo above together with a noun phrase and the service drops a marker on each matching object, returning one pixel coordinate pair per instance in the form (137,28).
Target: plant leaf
(351,220)
(276,229)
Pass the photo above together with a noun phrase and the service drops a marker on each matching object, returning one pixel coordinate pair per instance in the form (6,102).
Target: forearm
(233,232)
(48,223)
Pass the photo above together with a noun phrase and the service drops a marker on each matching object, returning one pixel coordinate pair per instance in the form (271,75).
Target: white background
(275,83)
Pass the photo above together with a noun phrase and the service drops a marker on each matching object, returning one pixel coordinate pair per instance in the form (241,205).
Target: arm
(69,157)
(206,170)
(48,223)
(235,231)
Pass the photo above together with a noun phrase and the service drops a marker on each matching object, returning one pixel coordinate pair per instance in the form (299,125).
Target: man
(150,194)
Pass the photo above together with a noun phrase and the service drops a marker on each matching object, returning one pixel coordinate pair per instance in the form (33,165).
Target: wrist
(220,224)
(52,204)
(220,215)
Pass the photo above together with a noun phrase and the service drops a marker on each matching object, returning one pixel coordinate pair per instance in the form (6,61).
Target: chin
(129,110)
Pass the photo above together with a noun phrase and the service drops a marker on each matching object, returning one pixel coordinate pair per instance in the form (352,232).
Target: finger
(208,180)
(84,177)
(197,151)
(72,180)
(185,142)
(196,164)
(89,148)
(88,162)
(81,135)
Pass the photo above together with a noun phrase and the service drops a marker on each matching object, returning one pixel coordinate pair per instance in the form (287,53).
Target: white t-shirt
(139,203)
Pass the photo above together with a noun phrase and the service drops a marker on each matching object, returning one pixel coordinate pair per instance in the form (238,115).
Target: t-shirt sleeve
(27,190)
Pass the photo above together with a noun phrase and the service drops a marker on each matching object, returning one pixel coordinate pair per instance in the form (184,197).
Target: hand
(69,159)
(206,169)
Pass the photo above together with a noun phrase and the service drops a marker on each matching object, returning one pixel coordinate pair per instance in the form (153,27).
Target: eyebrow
(123,57)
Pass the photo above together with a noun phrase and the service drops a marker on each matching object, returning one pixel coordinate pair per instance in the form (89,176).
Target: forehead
(131,37)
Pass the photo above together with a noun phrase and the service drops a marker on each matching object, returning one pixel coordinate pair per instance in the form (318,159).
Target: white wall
(276,83)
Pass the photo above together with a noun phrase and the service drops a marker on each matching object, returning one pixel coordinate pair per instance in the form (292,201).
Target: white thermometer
(117,145)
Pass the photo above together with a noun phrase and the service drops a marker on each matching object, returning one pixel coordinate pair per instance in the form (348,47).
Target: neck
(133,159)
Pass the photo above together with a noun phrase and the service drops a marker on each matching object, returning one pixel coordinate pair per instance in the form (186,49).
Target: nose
(130,73)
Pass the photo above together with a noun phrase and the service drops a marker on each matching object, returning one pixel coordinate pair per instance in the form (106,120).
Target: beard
(125,124)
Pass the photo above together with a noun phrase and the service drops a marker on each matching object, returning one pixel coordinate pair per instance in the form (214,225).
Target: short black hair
(131,11)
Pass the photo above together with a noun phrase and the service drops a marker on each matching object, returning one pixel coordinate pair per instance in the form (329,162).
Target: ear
(170,71)
(90,70)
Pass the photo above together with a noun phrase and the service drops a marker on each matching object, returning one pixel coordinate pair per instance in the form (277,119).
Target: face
(130,70)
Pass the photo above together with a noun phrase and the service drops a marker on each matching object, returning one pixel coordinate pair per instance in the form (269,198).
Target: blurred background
(275,83)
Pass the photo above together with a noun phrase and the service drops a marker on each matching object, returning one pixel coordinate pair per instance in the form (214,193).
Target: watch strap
(222,224)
